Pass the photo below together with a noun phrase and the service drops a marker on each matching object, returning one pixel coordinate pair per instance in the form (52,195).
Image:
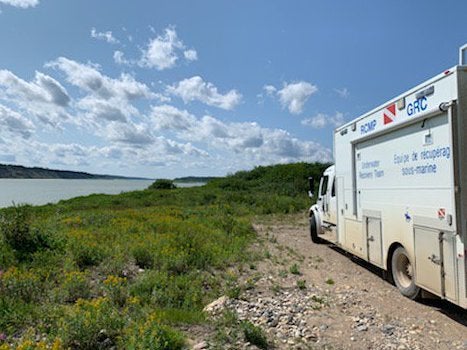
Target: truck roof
(421,86)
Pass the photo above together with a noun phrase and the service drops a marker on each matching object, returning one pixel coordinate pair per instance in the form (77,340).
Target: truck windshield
(324,185)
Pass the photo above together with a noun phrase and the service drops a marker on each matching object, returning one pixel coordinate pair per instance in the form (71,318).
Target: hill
(22,172)
(192,179)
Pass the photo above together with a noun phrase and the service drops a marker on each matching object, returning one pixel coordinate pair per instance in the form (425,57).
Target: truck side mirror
(311,186)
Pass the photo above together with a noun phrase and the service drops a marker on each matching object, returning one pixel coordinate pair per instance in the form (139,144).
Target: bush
(152,335)
(255,335)
(93,324)
(23,285)
(116,289)
(162,184)
(87,254)
(76,286)
(15,226)
(168,291)
(143,257)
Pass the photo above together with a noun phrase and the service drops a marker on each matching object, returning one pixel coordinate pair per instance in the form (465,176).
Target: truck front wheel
(314,231)
(403,273)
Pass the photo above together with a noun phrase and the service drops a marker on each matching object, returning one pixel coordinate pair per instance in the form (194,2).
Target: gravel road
(308,296)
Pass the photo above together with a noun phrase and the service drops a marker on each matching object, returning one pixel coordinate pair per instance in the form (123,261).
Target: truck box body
(401,180)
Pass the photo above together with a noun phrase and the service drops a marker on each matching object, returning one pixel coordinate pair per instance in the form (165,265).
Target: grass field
(126,270)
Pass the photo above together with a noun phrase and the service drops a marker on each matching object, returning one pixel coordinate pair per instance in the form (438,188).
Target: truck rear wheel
(314,230)
(403,273)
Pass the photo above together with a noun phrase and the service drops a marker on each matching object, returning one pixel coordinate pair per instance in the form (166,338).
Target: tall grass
(90,272)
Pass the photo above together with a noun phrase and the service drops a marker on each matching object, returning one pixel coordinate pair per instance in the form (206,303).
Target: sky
(165,89)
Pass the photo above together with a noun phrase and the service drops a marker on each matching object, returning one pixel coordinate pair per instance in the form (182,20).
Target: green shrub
(15,226)
(116,289)
(152,335)
(76,286)
(91,324)
(87,254)
(294,270)
(255,335)
(168,291)
(301,284)
(162,184)
(15,314)
(24,285)
(143,257)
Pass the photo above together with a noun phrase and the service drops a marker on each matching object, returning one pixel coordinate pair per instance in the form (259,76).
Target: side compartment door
(435,258)
(373,237)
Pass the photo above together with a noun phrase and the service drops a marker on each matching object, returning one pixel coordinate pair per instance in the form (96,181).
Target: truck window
(324,185)
(333,190)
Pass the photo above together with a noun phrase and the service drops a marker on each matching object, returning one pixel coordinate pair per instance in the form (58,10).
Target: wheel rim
(404,271)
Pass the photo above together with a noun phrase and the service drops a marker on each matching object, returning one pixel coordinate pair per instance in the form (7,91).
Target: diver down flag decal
(389,114)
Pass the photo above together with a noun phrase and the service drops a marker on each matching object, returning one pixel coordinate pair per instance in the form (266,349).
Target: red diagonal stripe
(387,120)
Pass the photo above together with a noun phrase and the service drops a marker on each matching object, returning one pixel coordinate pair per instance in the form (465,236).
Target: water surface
(43,191)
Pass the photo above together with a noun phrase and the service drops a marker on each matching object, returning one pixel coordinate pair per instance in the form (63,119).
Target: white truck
(397,193)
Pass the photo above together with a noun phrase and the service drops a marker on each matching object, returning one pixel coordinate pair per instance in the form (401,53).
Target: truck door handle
(371,239)
(434,259)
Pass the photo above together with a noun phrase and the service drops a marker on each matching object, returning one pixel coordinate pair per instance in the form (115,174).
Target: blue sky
(177,88)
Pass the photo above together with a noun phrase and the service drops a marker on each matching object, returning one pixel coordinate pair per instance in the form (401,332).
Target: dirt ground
(309,296)
(364,311)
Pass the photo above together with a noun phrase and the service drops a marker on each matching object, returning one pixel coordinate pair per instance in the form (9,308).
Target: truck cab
(323,214)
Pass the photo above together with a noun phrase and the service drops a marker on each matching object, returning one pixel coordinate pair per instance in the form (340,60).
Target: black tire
(314,231)
(403,273)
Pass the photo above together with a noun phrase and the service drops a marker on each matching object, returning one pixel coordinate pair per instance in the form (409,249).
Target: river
(43,191)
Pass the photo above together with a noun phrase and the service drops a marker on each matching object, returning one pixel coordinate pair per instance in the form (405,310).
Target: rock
(362,328)
(200,346)
(388,329)
(216,305)
(274,322)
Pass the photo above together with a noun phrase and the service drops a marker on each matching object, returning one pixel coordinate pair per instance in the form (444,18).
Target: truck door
(327,198)
(331,214)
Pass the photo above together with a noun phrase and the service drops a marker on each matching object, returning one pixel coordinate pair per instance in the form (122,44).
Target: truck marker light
(426,92)
(401,104)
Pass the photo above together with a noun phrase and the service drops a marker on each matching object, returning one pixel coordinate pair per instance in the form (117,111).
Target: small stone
(274,322)
(388,329)
(362,328)
(200,346)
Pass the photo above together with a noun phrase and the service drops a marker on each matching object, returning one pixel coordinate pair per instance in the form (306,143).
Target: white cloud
(270,90)
(136,135)
(169,117)
(344,92)
(106,36)
(119,58)
(21,3)
(163,51)
(100,110)
(44,97)
(190,55)
(88,78)
(107,99)
(293,96)
(196,89)
(257,145)
(15,123)
(321,120)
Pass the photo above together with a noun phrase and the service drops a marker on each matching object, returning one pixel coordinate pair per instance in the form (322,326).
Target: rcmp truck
(397,193)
